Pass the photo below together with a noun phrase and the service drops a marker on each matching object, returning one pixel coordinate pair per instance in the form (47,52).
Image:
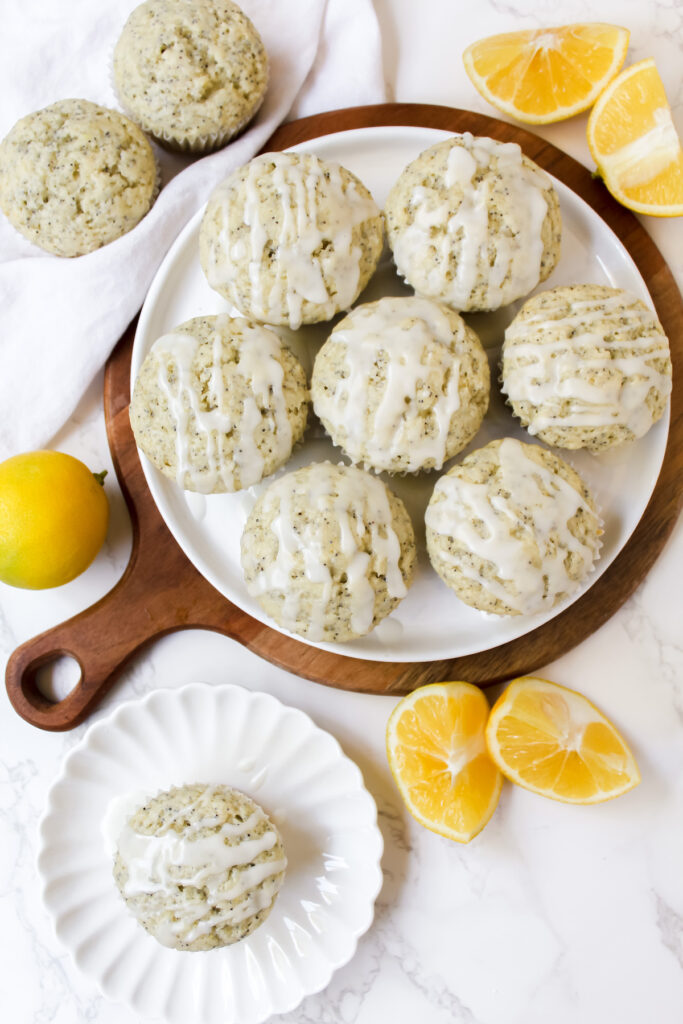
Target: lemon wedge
(546,74)
(633,140)
(437,755)
(554,742)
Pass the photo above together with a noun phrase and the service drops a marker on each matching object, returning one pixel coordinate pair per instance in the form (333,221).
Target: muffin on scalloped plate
(199,866)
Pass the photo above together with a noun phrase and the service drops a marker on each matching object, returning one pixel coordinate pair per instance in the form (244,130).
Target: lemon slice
(553,741)
(634,142)
(546,74)
(437,754)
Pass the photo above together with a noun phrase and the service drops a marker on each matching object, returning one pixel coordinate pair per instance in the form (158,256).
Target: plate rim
(372,868)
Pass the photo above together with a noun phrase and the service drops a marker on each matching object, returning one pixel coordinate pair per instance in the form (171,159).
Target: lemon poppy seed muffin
(192,73)
(401,384)
(290,239)
(513,529)
(219,403)
(199,866)
(328,551)
(75,176)
(586,366)
(473,223)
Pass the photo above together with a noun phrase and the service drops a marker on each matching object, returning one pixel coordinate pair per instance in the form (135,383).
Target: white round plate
(430,623)
(296,771)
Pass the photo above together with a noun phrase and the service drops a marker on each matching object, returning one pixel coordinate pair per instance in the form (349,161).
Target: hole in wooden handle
(31,674)
(57,677)
(39,706)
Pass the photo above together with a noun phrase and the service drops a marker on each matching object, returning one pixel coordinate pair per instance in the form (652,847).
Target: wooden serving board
(161,591)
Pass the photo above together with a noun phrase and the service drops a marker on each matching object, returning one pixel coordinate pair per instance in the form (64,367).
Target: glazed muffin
(586,367)
(199,866)
(75,176)
(401,384)
(290,239)
(473,223)
(513,529)
(328,551)
(192,73)
(219,403)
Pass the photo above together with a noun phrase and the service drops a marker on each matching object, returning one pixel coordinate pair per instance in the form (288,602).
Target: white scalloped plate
(430,623)
(296,771)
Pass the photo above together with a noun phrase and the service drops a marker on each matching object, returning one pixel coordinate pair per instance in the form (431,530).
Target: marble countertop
(554,913)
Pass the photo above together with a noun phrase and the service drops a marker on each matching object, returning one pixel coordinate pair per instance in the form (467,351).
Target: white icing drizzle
(399,330)
(258,364)
(206,859)
(315,207)
(525,525)
(444,226)
(349,497)
(551,373)
(118,811)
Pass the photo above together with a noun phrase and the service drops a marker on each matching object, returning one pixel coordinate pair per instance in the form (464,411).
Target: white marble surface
(554,913)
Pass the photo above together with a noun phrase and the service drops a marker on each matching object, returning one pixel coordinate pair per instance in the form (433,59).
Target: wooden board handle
(99,651)
(157,594)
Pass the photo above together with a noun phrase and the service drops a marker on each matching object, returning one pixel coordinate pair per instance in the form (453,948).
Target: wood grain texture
(161,591)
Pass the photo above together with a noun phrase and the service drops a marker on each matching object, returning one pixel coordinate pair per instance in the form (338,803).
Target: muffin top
(586,366)
(473,223)
(199,866)
(512,529)
(191,72)
(218,403)
(290,238)
(75,176)
(401,384)
(328,551)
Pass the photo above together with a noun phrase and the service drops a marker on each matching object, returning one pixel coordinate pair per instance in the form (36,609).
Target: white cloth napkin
(61,317)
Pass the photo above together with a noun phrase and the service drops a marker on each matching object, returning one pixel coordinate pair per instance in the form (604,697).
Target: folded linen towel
(60,318)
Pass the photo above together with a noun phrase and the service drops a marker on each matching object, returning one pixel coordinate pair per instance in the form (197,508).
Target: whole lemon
(53,519)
